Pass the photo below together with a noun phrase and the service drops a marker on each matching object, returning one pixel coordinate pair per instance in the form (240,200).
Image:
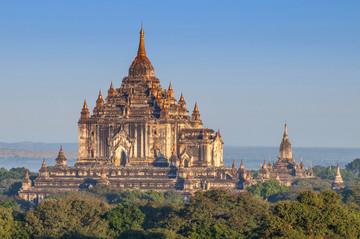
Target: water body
(252,157)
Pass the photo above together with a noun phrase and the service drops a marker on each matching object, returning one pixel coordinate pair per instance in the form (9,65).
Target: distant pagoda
(338,182)
(285,170)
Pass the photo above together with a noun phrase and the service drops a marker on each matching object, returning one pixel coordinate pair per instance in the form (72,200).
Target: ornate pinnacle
(170,88)
(85,105)
(196,107)
(44,163)
(234,165)
(111,86)
(27,174)
(285,131)
(141,55)
(61,148)
(181,97)
(242,165)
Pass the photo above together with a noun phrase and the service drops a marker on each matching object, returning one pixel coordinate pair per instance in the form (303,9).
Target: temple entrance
(123,158)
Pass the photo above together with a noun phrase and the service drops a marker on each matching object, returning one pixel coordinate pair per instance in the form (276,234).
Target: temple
(139,137)
(285,170)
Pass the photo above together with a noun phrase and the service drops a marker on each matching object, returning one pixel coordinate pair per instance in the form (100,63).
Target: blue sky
(250,65)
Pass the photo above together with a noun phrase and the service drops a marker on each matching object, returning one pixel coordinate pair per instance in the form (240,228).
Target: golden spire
(196,107)
(242,165)
(141,55)
(181,97)
(100,96)
(44,163)
(85,105)
(27,174)
(234,165)
(264,166)
(61,148)
(111,86)
(170,88)
(164,105)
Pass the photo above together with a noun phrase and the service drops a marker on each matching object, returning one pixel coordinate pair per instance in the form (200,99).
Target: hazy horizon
(250,66)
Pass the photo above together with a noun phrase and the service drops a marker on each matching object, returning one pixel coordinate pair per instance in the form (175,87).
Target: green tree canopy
(10,227)
(354,166)
(68,217)
(217,214)
(267,189)
(312,215)
(125,217)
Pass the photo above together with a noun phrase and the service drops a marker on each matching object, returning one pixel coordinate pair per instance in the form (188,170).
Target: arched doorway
(123,158)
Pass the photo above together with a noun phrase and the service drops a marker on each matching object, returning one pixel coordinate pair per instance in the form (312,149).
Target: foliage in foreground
(68,217)
(312,215)
(267,189)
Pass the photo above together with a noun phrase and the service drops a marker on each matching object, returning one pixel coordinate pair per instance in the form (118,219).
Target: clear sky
(250,65)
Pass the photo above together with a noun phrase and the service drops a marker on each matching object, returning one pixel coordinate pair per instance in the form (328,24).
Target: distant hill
(70,147)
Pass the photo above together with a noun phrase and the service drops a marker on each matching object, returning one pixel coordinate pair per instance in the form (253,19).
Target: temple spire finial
(141,55)
(242,165)
(196,109)
(85,105)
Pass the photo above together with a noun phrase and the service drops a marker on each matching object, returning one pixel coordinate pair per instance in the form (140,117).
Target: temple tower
(338,182)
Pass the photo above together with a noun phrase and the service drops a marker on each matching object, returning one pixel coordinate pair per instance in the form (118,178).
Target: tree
(68,217)
(267,189)
(311,215)
(125,217)
(354,166)
(9,226)
(217,214)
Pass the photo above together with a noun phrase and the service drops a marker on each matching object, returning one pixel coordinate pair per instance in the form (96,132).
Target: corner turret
(84,112)
(61,161)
